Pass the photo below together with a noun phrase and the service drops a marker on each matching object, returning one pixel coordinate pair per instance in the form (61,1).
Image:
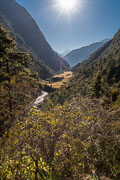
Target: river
(40,99)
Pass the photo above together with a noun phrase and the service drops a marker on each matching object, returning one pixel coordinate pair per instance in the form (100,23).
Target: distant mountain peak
(64,53)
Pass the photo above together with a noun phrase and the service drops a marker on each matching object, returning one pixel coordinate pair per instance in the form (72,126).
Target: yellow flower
(12,82)
(89,117)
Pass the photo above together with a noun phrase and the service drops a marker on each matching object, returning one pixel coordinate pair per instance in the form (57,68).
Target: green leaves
(17,85)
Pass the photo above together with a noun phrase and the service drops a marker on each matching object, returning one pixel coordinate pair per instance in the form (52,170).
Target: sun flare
(67,5)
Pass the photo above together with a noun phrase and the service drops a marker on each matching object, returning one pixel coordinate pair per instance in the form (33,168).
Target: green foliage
(75,141)
(15,80)
(97,86)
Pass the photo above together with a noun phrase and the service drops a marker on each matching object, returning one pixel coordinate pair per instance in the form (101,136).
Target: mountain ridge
(24,25)
(80,54)
(38,65)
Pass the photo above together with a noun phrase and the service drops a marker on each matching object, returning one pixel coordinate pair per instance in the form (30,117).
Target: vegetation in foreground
(75,141)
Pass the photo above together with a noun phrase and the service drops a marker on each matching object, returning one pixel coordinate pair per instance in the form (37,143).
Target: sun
(67,5)
(67,8)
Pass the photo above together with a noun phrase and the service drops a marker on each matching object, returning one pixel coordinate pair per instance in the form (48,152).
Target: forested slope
(38,65)
(99,76)
(28,31)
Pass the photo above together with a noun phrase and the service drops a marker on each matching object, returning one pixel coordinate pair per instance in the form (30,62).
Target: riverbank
(54,83)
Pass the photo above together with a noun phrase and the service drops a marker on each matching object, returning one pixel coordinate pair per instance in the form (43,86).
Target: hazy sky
(89,21)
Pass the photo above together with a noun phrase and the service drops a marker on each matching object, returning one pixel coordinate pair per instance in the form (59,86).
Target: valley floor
(65,77)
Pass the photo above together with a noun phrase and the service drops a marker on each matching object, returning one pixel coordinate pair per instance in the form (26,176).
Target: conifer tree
(16,81)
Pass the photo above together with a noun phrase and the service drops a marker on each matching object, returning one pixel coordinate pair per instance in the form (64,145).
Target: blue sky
(92,21)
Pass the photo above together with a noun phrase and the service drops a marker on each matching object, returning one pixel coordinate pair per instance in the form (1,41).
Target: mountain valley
(56,122)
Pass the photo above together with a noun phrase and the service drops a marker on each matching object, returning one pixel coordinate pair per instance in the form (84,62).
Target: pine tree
(16,81)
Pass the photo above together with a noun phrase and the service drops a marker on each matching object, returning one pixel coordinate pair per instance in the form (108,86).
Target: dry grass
(66,77)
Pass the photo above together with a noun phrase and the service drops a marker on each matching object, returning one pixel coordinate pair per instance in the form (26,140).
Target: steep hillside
(25,26)
(97,77)
(38,65)
(78,55)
